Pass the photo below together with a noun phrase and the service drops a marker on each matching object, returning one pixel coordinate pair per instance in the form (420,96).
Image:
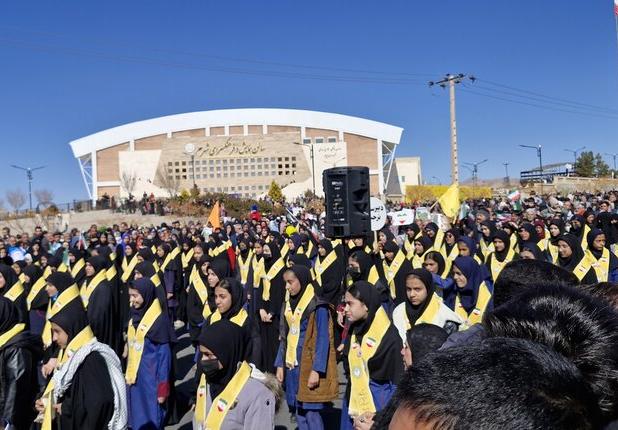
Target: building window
(287,158)
(260,173)
(217,161)
(176,163)
(293,165)
(293,158)
(184,163)
(224,161)
(403,179)
(169,163)
(319,140)
(307,140)
(246,174)
(331,139)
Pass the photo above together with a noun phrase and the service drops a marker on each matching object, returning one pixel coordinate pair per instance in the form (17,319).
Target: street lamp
(574,152)
(190,150)
(539,153)
(28,171)
(507,180)
(312,161)
(437,180)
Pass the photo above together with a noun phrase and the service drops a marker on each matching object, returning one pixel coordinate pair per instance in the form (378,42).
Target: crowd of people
(506,318)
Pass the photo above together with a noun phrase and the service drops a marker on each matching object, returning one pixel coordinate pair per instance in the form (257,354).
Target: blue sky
(73,68)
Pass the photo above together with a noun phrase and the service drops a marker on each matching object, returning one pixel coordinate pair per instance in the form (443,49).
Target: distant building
(548,174)
(407,171)
(237,151)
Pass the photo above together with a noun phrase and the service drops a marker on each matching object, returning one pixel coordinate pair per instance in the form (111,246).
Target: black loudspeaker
(348,211)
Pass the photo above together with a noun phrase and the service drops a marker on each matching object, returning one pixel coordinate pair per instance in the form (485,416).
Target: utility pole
(450,81)
(614,157)
(574,152)
(475,173)
(28,171)
(507,180)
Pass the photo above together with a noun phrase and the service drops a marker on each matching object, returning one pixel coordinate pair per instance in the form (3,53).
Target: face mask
(210,368)
(354,272)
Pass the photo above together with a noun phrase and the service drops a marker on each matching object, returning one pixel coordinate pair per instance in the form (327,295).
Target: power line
(598,115)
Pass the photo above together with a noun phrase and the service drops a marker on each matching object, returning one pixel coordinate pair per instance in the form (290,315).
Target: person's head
(218,269)
(596,239)
(578,326)
(198,252)
(57,282)
(422,339)
(141,293)
(466,246)
(419,285)
(324,247)
(296,279)
(222,346)
(266,251)
(361,298)
(390,249)
(7,277)
(607,291)
(434,262)
(565,248)
(510,384)
(228,293)
(67,323)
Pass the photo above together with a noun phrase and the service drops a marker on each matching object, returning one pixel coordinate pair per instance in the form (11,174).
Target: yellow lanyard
(238,319)
(136,338)
(127,269)
(601,266)
(79,265)
(272,272)
(361,399)
(169,258)
(37,287)
(87,289)
(293,318)
(224,401)
(244,266)
(497,266)
(321,266)
(391,270)
(10,334)
(15,291)
(476,315)
(429,314)
(186,258)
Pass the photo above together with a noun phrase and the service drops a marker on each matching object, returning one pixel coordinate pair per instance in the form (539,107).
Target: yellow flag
(449,201)
(213,218)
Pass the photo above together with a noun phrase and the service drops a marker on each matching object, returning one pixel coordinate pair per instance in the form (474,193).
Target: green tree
(585,164)
(601,169)
(274,192)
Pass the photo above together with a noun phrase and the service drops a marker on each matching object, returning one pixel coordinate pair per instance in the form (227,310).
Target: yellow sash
(585,238)
(583,267)
(8,335)
(309,249)
(448,260)
(37,287)
(321,266)
(153,249)
(156,266)
(439,239)
(285,249)
(429,314)
(272,272)
(15,291)
(111,272)
(87,290)
(52,309)
(185,258)
(553,251)
(601,266)
(497,266)
(238,319)
(486,249)
(293,319)
(112,256)
(220,249)
(258,269)
(224,401)
(169,258)
(136,339)
(361,399)
(62,268)
(409,247)
(79,265)
(82,338)
(476,315)
(390,271)
(417,260)
(127,268)
(22,278)
(244,267)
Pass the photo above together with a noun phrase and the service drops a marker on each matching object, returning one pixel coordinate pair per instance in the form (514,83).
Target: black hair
(425,338)
(603,290)
(523,274)
(498,384)
(582,328)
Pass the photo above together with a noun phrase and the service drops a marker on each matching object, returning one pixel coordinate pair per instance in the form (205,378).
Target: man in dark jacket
(19,353)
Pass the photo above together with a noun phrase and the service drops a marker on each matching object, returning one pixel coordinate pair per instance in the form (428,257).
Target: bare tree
(128,181)
(16,199)
(167,181)
(44,196)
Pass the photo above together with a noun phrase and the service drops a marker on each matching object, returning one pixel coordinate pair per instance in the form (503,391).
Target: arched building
(235,151)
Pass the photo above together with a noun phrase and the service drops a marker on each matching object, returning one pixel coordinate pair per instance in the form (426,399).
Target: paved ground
(185,385)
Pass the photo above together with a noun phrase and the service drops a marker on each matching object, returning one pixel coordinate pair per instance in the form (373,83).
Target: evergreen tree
(274,192)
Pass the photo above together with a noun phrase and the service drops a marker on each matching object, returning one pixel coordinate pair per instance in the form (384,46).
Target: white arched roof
(213,118)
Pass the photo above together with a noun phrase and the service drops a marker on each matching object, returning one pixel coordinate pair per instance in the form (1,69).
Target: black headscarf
(72,318)
(221,267)
(455,234)
(275,254)
(592,235)
(531,229)
(371,297)
(304,277)
(98,262)
(504,237)
(159,332)
(9,276)
(577,254)
(33,272)
(425,242)
(390,246)
(414,312)
(236,291)
(439,259)
(365,262)
(491,225)
(299,260)
(560,224)
(433,227)
(226,340)
(146,269)
(328,247)
(146,254)
(60,280)
(534,249)
(9,315)
(578,232)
